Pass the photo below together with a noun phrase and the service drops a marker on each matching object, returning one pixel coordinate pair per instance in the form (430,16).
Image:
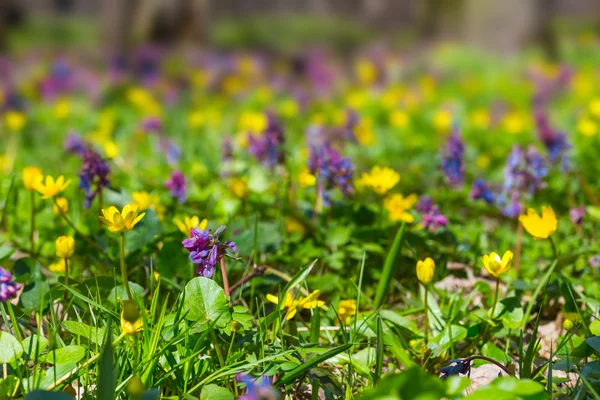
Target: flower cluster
(452,160)
(331,170)
(268,147)
(556,142)
(433,219)
(8,288)
(206,249)
(94,172)
(257,388)
(481,190)
(177,185)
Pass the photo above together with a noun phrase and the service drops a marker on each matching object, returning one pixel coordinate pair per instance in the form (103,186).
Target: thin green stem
(15,322)
(32,227)
(215,343)
(554,252)
(493,311)
(66,282)
(426,319)
(124,267)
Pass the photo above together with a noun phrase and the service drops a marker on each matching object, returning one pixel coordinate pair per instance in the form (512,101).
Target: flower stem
(215,343)
(124,267)
(554,252)
(426,320)
(225,280)
(495,298)
(66,282)
(31,243)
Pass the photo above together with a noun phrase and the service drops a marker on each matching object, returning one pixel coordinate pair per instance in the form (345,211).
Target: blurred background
(285,25)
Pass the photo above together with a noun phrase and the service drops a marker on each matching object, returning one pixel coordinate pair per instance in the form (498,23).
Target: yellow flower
(539,227)
(366,71)
(482,161)
(346,310)
(61,206)
(65,246)
(196,119)
(62,109)
(480,118)
(380,179)
(123,221)
(255,122)
(111,150)
(145,200)
(306,179)
(292,306)
(399,119)
(31,177)
(15,121)
(425,270)
(50,187)
(514,123)
(239,187)
(364,132)
(131,318)
(58,266)
(587,126)
(496,265)
(188,224)
(293,226)
(595,107)
(442,120)
(398,207)
(289,108)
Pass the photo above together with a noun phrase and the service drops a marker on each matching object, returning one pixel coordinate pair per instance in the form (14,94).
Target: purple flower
(524,171)
(594,260)
(268,148)
(177,185)
(152,125)
(331,170)
(480,190)
(170,149)
(556,142)
(433,219)
(206,249)
(257,388)
(74,144)
(509,205)
(8,288)
(452,160)
(94,172)
(576,215)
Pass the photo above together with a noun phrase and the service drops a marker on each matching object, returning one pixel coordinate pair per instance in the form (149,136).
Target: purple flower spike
(257,388)
(268,148)
(577,214)
(206,249)
(177,185)
(332,170)
(74,144)
(94,172)
(8,288)
(480,190)
(555,142)
(452,160)
(433,219)
(152,125)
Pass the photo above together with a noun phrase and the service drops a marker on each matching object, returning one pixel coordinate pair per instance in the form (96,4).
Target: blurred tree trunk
(545,34)
(117,16)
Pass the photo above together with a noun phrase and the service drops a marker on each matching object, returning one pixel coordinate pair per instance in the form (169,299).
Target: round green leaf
(10,348)
(204,300)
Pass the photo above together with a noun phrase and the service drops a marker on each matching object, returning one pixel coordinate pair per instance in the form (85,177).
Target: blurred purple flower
(8,288)
(268,147)
(93,172)
(433,219)
(594,260)
(509,205)
(206,249)
(152,125)
(177,185)
(556,142)
(452,160)
(257,388)
(74,144)
(524,171)
(577,214)
(331,170)
(481,190)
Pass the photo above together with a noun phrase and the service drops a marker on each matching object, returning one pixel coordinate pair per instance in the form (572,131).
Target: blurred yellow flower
(514,122)
(399,119)
(398,206)
(380,179)
(15,120)
(346,310)
(587,126)
(289,108)
(364,132)
(250,121)
(145,200)
(60,206)
(540,227)
(65,246)
(366,71)
(188,224)
(62,109)
(131,317)
(58,266)
(293,226)
(482,161)
(31,177)
(595,107)
(496,265)
(425,270)
(196,119)
(291,306)
(239,187)
(442,121)
(306,179)
(123,221)
(50,187)
(480,118)
(111,150)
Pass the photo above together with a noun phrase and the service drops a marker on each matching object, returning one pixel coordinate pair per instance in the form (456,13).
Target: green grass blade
(388,267)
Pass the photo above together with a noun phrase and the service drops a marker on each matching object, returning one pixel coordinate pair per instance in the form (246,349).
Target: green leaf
(30,343)
(289,377)
(595,327)
(91,333)
(10,348)
(35,296)
(513,318)
(119,292)
(298,278)
(388,267)
(143,233)
(63,355)
(414,383)
(215,392)
(54,373)
(456,385)
(48,395)
(447,338)
(5,253)
(204,301)
(106,370)
(594,343)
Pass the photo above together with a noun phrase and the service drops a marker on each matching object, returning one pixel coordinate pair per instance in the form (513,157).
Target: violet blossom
(433,219)
(452,160)
(206,249)
(177,185)
(268,147)
(331,170)
(8,288)
(93,176)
